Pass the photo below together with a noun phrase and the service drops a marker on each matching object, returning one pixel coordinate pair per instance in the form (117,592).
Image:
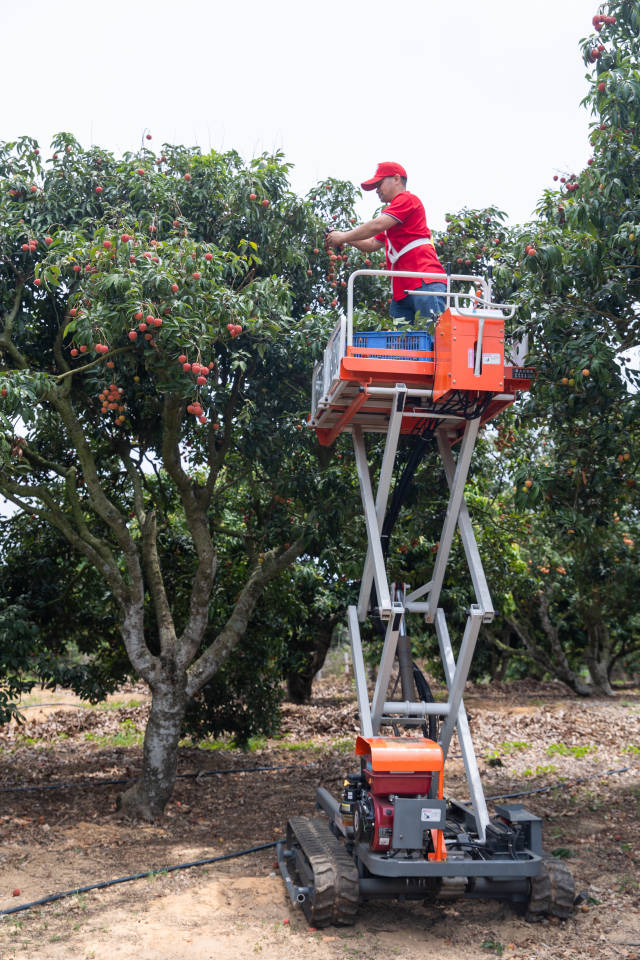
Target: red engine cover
(384,784)
(404,784)
(383,824)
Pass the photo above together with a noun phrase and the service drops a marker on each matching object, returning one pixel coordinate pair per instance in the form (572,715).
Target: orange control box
(456,350)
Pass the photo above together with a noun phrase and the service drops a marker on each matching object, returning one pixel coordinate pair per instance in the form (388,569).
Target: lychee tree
(158,328)
(580,561)
(578,288)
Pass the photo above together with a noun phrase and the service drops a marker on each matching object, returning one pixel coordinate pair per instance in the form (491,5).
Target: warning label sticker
(491,358)
(430,814)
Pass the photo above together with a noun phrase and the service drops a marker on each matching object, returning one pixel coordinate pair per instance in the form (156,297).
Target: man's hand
(364,236)
(335,238)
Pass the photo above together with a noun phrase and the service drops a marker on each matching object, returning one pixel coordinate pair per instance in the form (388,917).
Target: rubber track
(552,891)
(563,889)
(335,894)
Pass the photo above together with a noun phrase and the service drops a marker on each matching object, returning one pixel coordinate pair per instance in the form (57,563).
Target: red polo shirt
(407,209)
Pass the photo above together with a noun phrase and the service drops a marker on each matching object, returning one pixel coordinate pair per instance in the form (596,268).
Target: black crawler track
(552,891)
(323,865)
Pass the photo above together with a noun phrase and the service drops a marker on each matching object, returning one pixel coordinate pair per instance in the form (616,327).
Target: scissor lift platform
(394,833)
(363,395)
(464,377)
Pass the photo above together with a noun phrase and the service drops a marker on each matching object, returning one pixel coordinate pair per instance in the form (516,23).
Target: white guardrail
(452,298)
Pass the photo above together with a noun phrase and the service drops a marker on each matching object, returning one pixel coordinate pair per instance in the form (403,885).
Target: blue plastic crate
(394,340)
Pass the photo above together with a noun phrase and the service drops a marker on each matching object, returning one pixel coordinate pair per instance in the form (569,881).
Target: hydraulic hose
(418,449)
(430,728)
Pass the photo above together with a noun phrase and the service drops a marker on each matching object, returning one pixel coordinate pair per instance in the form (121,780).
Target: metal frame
(380,711)
(386,473)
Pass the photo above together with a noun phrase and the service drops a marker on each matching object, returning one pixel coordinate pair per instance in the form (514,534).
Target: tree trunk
(499,656)
(598,671)
(300,680)
(172,680)
(598,654)
(147,798)
(300,685)
(556,662)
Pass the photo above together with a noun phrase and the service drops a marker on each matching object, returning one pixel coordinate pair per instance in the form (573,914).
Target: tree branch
(93,363)
(134,476)
(105,564)
(36,460)
(101,503)
(99,546)
(218,448)
(155,582)
(196,518)
(7,328)
(231,634)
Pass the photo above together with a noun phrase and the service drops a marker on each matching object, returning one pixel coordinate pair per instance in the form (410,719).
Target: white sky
(478,100)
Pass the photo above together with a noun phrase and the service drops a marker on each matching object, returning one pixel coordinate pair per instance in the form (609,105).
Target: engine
(369,797)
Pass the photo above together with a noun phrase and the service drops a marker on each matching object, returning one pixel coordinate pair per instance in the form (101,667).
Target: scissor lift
(392,833)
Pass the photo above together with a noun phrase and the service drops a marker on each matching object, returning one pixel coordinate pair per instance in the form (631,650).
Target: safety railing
(476,300)
(317,387)
(334,352)
(328,369)
(452,298)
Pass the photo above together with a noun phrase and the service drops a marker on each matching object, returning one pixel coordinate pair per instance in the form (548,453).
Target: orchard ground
(527,735)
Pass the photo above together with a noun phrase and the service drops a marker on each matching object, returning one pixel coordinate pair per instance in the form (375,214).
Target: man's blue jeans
(429,307)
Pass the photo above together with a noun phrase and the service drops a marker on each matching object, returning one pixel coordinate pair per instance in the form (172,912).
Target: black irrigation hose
(288,766)
(135,876)
(72,706)
(65,786)
(180,776)
(556,786)
(241,853)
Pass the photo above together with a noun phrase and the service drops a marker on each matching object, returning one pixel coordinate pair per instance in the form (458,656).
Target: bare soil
(527,736)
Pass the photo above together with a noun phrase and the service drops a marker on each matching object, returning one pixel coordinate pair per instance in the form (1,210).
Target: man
(402,229)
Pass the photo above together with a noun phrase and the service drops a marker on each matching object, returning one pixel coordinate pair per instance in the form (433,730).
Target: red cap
(387,169)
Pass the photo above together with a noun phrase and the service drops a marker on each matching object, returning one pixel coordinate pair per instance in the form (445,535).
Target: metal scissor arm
(393,603)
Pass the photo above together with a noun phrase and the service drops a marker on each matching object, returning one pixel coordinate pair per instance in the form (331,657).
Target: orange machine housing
(456,345)
(401,766)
